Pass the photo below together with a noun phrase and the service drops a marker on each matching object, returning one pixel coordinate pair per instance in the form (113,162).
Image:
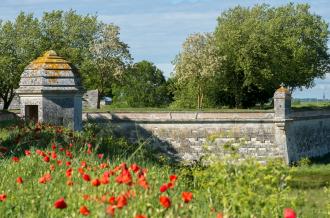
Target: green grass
(311,105)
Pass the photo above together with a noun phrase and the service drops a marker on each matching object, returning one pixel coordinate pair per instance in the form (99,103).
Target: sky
(156,29)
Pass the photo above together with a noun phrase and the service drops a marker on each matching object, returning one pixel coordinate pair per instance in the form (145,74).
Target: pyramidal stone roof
(50,73)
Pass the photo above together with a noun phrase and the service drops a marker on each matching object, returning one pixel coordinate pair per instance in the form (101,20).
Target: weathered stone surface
(51,91)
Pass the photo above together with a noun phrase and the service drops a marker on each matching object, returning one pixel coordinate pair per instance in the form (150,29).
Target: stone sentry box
(50,91)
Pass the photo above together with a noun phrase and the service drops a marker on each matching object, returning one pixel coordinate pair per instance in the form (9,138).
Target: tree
(109,59)
(69,34)
(265,46)
(144,86)
(19,44)
(195,67)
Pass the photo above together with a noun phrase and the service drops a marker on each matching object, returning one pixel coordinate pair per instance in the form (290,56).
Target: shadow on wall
(136,134)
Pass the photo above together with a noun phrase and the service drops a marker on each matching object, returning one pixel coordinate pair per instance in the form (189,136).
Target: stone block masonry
(281,133)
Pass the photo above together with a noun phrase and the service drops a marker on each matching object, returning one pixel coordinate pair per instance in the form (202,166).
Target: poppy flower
(110,210)
(104,180)
(81,171)
(163,188)
(219,215)
(27,152)
(68,172)
(170,185)
(100,156)
(53,146)
(124,177)
(3,197)
(289,213)
(135,168)
(53,155)
(143,182)
(47,177)
(186,196)
(83,164)
(96,182)
(52,167)
(173,178)
(121,201)
(46,159)
(15,159)
(59,162)
(19,180)
(86,197)
(112,200)
(84,211)
(165,201)
(60,204)
(68,163)
(86,177)
(140,216)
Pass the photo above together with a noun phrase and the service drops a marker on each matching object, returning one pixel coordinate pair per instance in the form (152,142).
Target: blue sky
(155,29)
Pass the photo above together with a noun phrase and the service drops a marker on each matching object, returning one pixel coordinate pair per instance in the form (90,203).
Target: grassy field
(133,178)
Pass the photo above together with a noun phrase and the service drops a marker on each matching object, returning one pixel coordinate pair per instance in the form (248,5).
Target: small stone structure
(50,91)
(280,133)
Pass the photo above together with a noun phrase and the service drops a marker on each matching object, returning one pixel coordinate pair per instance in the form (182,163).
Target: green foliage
(19,44)
(144,85)
(266,46)
(246,189)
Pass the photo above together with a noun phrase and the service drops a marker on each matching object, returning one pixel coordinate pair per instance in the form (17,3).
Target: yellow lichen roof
(283,90)
(49,61)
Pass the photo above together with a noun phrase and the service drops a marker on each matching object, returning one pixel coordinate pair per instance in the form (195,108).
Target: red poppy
(27,152)
(52,167)
(170,185)
(84,211)
(70,145)
(60,204)
(45,178)
(86,197)
(103,165)
(53,155)
(219,215)
(143,182)
(3,197)
(165,201)
(53,146)
(96,182)
(19,180)
(100,156)
(83,164)
(81,171)
(15,159)
(289,213)
(68,154)
(112,200)
(104,180)
(86,177)
(59,162)
(186,197)
(110,210)
(68,172)
(124,177)
(121,201)
(163,188)
(135,168)
(140,216)
(173,178)
(46,159)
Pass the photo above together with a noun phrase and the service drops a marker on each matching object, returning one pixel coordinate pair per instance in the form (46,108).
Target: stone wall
(189,136)
(291,135)
(308,134)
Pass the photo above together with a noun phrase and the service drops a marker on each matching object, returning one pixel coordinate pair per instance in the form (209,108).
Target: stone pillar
(282,110)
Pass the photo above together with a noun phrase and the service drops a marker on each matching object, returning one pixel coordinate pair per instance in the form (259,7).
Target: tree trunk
(7,98)
(98,100)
